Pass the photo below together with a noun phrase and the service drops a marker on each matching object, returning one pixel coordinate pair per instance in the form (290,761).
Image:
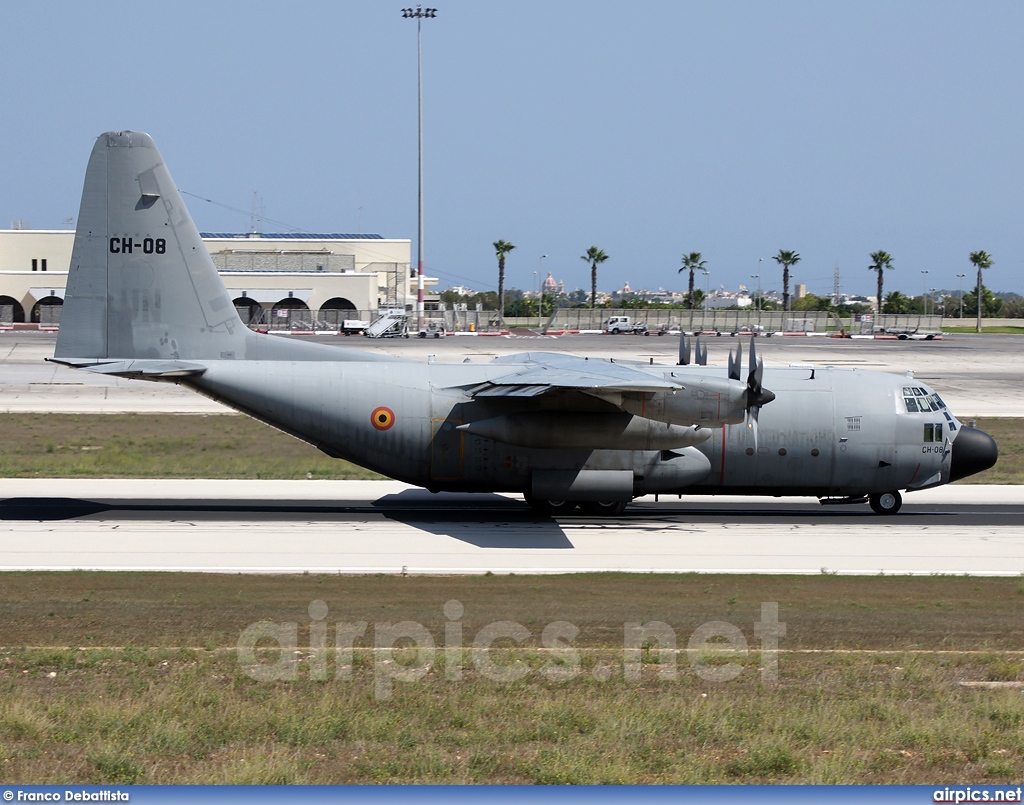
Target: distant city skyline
(751,290)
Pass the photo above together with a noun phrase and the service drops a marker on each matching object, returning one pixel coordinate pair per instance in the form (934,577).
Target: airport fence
(730,321)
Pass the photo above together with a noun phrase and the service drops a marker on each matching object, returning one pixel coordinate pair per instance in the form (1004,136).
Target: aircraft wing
(139,369)
(544,373)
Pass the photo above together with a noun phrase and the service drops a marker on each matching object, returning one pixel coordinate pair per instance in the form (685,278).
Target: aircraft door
(447,442)
(867,451)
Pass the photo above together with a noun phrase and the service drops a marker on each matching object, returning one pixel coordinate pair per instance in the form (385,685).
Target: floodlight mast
(419,14)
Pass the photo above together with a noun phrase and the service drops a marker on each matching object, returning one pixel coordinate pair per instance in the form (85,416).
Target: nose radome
(973,451)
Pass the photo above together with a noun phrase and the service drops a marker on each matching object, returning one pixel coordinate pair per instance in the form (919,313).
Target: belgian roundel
(382,418)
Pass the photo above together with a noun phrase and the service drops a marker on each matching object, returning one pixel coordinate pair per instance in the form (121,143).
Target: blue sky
(650,129)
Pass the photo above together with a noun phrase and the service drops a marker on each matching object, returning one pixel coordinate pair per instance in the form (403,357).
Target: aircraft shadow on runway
(488,522)
(492,521)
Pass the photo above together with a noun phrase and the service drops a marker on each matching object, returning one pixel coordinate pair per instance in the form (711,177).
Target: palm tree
(594,256)
(501,248)
(692,263)
(882,261)
(786,259)
(895,302)
(981,260)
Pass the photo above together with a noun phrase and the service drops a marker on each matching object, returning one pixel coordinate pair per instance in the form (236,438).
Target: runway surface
(388,527)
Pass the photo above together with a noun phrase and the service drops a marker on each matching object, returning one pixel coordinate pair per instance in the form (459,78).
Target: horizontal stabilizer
(140,369)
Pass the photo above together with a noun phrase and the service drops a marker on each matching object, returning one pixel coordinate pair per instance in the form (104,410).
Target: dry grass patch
(828,720)
(1009,435)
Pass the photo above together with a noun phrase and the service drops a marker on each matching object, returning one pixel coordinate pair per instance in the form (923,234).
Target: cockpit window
(918,400)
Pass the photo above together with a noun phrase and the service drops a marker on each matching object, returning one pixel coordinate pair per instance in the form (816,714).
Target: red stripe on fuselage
(721,478)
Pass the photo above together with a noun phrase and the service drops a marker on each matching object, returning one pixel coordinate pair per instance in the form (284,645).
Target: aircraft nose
(973,451)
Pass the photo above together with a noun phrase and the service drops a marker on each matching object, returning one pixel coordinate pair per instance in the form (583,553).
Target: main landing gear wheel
(886,502)
(552,508)
(603,508)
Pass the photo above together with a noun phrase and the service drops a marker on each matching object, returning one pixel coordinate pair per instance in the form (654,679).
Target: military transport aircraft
(144,301)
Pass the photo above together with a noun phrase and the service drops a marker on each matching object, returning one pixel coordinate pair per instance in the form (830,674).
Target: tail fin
(142,284)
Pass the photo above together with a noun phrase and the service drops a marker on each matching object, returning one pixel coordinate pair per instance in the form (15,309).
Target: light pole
(707,293)
(419,14)
(536,294)
(757,300)
(961,278)
(757,276)
(540,293)
(924,289)
(933,301)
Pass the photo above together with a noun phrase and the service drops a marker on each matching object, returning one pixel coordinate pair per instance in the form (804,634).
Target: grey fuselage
(831,432)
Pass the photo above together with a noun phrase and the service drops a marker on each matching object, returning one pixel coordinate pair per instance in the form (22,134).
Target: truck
(623,324)
(350,326)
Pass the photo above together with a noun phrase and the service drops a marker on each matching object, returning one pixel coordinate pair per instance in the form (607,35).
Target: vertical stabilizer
(141,283)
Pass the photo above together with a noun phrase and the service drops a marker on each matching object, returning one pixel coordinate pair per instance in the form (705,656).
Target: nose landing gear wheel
(886,502)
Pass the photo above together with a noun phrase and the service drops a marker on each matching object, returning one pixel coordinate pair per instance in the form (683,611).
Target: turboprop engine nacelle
(708,402)
(591,431)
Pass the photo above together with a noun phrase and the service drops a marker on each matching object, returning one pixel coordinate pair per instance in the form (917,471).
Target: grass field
(159,446)
(997,330)
(122,678)
(234,446)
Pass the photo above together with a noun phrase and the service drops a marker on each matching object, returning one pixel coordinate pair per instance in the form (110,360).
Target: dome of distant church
(550,285)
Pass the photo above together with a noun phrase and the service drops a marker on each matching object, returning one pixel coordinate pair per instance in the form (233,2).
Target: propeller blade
(684,350)
(702,353)
(757,394)
(736,363)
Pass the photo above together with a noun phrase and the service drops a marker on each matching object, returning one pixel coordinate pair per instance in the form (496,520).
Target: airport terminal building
(277,281)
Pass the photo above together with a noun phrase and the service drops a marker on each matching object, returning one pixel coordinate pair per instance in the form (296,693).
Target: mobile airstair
(390,324)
